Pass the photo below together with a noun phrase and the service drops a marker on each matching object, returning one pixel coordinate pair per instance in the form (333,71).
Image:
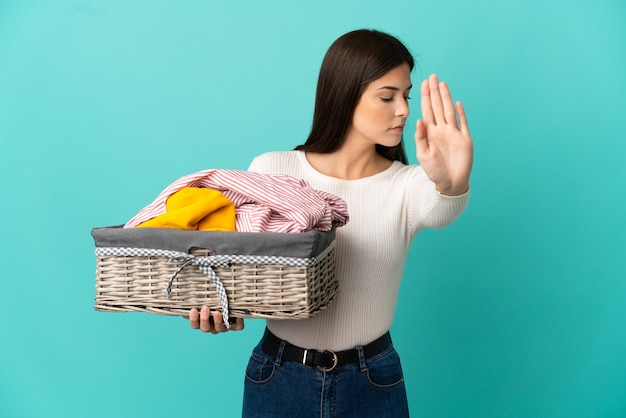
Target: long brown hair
(352,62)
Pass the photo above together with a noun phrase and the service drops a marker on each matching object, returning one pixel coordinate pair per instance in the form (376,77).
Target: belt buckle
(335,361)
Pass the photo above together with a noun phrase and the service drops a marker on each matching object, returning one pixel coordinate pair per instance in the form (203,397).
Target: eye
(407,98)
(386,99)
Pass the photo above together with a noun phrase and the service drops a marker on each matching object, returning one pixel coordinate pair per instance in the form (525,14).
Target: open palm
(443,143)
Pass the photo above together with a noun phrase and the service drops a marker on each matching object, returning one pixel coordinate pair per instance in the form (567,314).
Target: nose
(403,109)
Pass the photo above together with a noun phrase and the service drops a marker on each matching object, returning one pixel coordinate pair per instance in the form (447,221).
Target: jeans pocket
(384,372)
(260,369)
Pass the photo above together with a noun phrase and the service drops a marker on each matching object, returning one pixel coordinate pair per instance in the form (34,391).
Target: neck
(349,164)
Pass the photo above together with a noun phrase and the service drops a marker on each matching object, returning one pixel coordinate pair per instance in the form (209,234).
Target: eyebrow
(393,88)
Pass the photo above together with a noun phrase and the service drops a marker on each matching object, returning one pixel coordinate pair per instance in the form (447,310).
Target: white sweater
(386,211)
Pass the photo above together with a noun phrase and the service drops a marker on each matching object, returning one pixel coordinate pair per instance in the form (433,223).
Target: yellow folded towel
(196,208)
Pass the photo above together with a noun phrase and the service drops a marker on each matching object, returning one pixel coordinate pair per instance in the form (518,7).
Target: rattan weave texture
(139,284)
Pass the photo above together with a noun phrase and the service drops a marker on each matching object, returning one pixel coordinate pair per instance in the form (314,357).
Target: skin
(443,142)
(444,145)
(207,321)
(379,118)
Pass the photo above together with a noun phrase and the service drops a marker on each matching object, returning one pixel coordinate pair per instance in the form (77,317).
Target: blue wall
(517,310)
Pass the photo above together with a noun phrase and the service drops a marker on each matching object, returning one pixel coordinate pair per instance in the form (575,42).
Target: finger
(462,119)
(194,318)
(218,321)
(448,106)
(205,320)
(238,325)
(427,110)
(435,100)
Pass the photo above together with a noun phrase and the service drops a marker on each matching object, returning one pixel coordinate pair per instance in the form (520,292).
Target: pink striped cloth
(263,202)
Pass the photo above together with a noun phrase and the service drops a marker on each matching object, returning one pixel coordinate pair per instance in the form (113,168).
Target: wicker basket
(264,275)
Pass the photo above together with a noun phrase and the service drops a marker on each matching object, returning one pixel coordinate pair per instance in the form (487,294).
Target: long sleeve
(386,211)
(427,208)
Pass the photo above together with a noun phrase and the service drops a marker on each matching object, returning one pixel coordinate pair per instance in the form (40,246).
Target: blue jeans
(373,387)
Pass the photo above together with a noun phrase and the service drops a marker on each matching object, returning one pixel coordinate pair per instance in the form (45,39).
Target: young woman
(342,362)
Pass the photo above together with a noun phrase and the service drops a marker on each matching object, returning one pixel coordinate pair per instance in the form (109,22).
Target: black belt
(325,360)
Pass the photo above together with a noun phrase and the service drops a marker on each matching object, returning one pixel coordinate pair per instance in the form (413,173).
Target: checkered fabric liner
(206,264)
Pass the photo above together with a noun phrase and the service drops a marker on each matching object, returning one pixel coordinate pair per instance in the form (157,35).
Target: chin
(390,143)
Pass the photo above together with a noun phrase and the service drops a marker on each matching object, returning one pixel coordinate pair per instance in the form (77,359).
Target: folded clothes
(195,208)
(263,202)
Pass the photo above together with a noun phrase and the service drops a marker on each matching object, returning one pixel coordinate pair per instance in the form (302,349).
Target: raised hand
(443,142)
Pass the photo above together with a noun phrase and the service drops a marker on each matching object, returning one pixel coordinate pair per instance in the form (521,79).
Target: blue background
(516,310)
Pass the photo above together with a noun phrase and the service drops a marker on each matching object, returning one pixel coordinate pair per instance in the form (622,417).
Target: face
(381,112)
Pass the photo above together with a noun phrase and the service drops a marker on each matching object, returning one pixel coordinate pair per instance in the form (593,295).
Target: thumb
(421,142)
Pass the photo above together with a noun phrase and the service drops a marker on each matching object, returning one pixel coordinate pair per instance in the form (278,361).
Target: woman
(341,362)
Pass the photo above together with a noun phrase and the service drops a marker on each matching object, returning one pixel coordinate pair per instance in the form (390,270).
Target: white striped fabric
(263,202)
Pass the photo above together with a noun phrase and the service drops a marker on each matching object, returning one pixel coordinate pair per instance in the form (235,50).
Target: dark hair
(352,62)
